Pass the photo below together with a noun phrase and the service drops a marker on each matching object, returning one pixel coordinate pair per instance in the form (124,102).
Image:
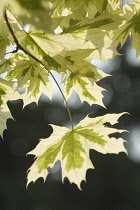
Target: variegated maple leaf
(72,147)
(86,88)
(7,92)
(130,26)
(30,74)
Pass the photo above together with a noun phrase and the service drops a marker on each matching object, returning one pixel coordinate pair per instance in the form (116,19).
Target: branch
(19,47)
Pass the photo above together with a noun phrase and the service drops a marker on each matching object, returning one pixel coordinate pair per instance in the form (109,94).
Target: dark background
(113,185)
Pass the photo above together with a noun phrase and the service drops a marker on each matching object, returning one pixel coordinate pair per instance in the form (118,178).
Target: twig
(19,47)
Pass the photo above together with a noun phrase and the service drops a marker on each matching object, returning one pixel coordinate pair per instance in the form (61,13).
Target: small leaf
(30,74)
(86,88)
(7,92)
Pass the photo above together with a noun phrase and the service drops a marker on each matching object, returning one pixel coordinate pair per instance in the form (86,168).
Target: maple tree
(64,36)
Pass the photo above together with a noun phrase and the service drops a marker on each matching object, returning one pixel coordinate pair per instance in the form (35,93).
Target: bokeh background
(114,184)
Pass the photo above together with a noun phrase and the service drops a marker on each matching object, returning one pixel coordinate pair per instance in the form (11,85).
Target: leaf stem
(19,47)
(67,106)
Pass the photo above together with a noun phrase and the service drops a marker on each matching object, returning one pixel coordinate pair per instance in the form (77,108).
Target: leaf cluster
(64,36)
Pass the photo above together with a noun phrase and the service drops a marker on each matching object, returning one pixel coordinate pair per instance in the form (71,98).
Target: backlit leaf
(30,74)
(71,148)
(65,36)
(7,93)
(86,88)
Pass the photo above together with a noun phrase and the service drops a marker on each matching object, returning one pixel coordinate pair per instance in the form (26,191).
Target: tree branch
(19,47)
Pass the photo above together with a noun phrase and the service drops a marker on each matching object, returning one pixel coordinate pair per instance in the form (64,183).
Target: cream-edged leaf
(132,27)
(130,14)
(30,74)
(7,93)
(53,50)
(71,148)
(4,115)
(86,88)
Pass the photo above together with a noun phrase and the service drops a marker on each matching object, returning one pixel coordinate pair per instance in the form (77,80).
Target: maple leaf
(131,26)
(130,14)
(72,147)
(74,34)
(4,115)
(4,34)
(4,65)
(7,93)
(86,88)
(32,12)
(29,74)
(96,32)
(53,50)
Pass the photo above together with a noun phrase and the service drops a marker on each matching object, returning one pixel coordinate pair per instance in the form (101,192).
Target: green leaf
(32,12)
(4,65)
(4,34)
(72,147)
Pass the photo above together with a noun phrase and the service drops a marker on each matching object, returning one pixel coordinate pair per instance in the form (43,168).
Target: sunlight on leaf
(72,147)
